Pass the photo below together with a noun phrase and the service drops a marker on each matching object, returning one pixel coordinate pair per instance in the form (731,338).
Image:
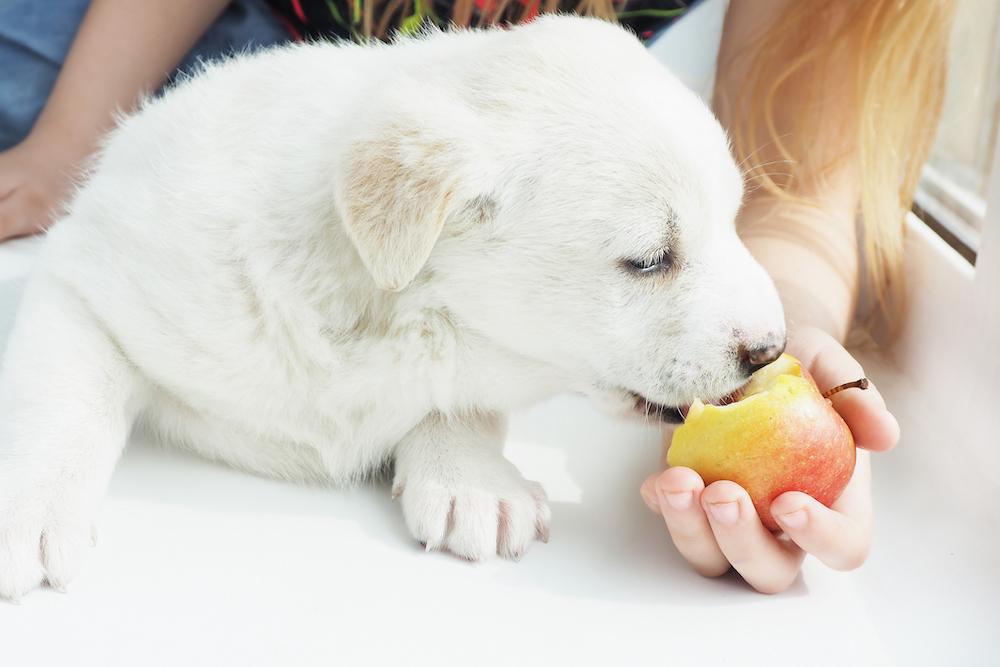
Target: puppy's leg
(65,391)
(459,493)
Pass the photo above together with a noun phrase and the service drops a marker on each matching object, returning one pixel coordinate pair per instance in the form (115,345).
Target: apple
(779,434)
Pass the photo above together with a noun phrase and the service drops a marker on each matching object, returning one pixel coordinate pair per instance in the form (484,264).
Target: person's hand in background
(716,527)
(122,51)
(35,181)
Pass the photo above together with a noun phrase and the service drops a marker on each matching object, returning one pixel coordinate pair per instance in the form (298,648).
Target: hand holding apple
(781,435)
(715,526)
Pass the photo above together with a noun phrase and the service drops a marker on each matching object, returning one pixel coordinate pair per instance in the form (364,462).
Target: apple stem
(857,384)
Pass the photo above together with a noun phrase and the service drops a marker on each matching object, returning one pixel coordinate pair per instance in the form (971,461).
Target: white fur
(317,260)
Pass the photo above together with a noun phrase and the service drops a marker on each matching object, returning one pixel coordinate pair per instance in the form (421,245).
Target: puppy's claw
(397,490)
(449,525)
(503,525)
(542,532)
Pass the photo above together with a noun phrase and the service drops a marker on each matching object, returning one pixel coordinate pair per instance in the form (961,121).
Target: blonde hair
(895,54)
(895,50)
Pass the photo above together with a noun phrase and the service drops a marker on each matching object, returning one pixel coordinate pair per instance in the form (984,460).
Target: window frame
(948,197)
(951,327)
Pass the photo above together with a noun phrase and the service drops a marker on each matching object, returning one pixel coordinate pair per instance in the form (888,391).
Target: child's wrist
(805,310)
(50,144)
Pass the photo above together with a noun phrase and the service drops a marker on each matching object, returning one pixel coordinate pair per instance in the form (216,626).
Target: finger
(872,425)
(768,564)
(648,492)
(864,411)
(839,536)
(9,218)
(678,492)
(834,538)
(15,218)
(856,500)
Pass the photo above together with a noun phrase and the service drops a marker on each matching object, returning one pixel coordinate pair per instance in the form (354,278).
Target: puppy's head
(575,204)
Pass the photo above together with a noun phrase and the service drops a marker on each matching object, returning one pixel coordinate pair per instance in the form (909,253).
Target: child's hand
(95,82)
(33,184)
(716,527)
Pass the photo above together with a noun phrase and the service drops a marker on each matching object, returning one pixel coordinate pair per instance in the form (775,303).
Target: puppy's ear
(396,187)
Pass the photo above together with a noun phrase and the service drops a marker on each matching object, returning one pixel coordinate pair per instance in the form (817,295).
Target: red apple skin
(784,437)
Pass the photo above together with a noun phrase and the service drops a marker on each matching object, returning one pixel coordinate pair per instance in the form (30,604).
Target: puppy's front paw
(474,513)
(41,539)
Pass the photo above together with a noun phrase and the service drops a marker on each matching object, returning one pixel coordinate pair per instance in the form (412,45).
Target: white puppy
(320,259)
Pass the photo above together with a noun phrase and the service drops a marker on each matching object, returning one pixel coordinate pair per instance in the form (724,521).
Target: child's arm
(810,249)
(123,50)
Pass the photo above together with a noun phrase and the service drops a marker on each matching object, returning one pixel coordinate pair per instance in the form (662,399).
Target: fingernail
(796,519)
(725,513)
(680,500)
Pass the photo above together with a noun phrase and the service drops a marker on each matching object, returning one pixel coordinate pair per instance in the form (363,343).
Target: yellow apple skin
(781,436)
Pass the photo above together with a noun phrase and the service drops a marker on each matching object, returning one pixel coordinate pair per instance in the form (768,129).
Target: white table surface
(198,564)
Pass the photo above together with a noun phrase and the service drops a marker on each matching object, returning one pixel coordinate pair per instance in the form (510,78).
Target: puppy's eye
(659,264)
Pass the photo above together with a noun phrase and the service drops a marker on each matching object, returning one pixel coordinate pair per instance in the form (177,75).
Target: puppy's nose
(753,358)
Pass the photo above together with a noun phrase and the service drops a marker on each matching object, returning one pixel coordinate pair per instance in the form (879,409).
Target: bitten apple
(781,435)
